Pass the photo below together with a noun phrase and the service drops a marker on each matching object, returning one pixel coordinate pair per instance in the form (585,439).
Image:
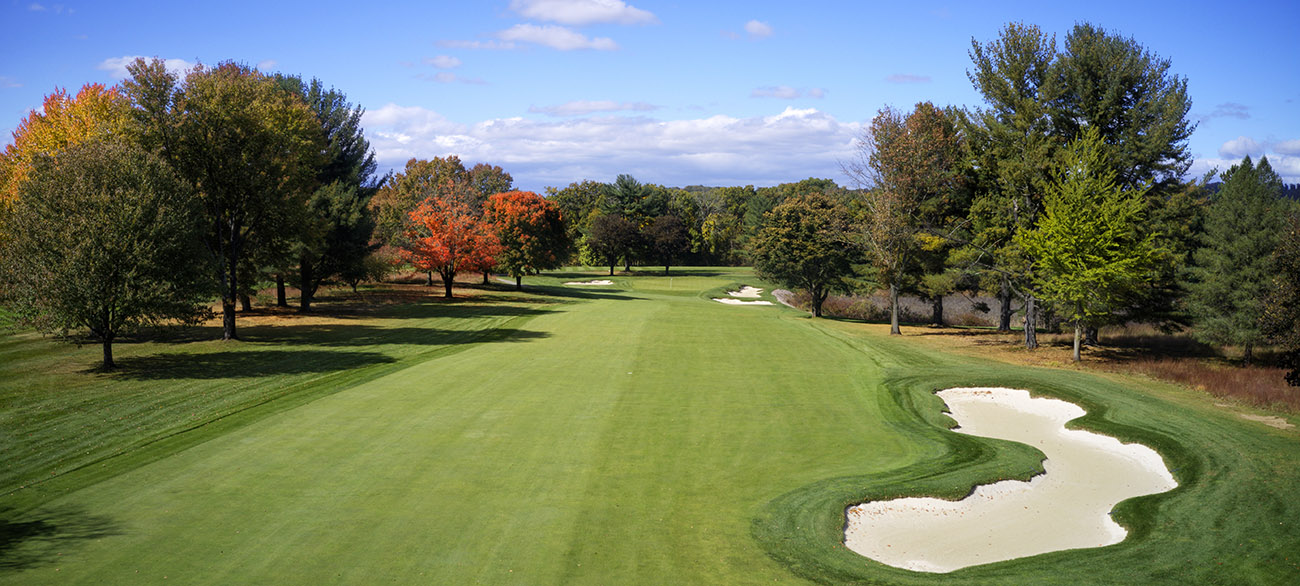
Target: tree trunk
(1247,354)
(108,353)
(611,270)
(1078,339)
(936,310)
(1004,297)
(1031,322)
(519,282)
(1090,336)
(229,295)
(447,280)
(665,270)
(280,299)
(893,311)
(627,266)
(486,276)
(245,303)
(307,293)
(429,281)
(817,298)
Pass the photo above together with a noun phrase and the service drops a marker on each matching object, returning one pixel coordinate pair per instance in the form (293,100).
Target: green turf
(629,434)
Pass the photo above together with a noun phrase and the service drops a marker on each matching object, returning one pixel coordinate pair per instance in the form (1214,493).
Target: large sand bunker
(746,292)
(1067,507)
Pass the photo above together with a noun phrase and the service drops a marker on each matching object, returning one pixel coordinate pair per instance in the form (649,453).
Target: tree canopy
(1088,244)
(530,230)
(106,239)
(805,243)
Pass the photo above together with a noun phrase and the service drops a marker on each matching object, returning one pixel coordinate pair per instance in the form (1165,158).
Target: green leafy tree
(249,148)
(106,239)
(1090,250)
(613,238)
(667,239)
(1233,271)
(805,244)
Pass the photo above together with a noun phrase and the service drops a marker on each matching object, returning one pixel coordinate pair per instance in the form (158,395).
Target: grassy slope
(644,435)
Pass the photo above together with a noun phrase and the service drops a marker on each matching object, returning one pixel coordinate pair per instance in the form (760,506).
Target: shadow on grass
(39,538)
(241,364)
(349,335)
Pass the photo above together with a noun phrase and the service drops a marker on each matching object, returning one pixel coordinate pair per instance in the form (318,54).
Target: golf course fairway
(635,433)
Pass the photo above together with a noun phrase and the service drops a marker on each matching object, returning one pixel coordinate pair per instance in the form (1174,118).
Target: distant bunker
(1066,507)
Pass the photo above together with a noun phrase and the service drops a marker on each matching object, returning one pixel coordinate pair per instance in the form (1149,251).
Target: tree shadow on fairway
(573,293)
(242,364)
(38,538)
(350,335)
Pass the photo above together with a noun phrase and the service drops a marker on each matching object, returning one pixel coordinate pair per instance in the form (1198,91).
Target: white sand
(731,301)
(1068,507)
(596,282)
(746,292)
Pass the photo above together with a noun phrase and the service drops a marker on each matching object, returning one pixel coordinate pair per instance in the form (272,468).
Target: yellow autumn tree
(64,120)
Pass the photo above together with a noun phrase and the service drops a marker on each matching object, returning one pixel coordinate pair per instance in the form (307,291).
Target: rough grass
(635,434)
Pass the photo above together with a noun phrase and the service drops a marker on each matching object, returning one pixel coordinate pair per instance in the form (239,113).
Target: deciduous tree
(612,238)
(249,148)
(64,120)
(1090,250)
(805,244)
(530,230)
(106,239)
(667,239)
(446,237)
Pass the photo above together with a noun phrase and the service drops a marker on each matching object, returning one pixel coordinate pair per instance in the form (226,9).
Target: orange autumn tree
(531,232)
(64,121)
(445,236)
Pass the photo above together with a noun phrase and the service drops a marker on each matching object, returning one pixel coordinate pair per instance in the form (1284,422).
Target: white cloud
(718,150)
(907,78)
(442,61)
(585,107)
(477,45)
(582,12)
(758,29)
(1288,147)
(785,92)
(266,65)
(116,66)
(35,7)
(1287,166)
(555,37)
(7,82)
(1240,147)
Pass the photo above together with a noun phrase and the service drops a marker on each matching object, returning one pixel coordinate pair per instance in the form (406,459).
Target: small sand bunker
(595,282)
(730,301)
(1067,507)
(746,292)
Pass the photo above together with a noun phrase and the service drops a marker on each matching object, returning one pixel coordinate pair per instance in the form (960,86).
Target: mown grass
(637,433)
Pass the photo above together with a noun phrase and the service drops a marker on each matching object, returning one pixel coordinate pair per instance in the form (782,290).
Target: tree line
(1063,195)
(142,203)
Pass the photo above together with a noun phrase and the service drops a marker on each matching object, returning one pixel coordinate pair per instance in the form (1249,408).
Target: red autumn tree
(531,232)
(445,236)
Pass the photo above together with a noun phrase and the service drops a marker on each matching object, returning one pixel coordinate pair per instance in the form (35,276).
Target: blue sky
(676,93)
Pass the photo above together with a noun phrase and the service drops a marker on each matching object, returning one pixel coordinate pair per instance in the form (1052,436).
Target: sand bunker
(596,282)
(746,292)
(1067,507)
(730,301)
